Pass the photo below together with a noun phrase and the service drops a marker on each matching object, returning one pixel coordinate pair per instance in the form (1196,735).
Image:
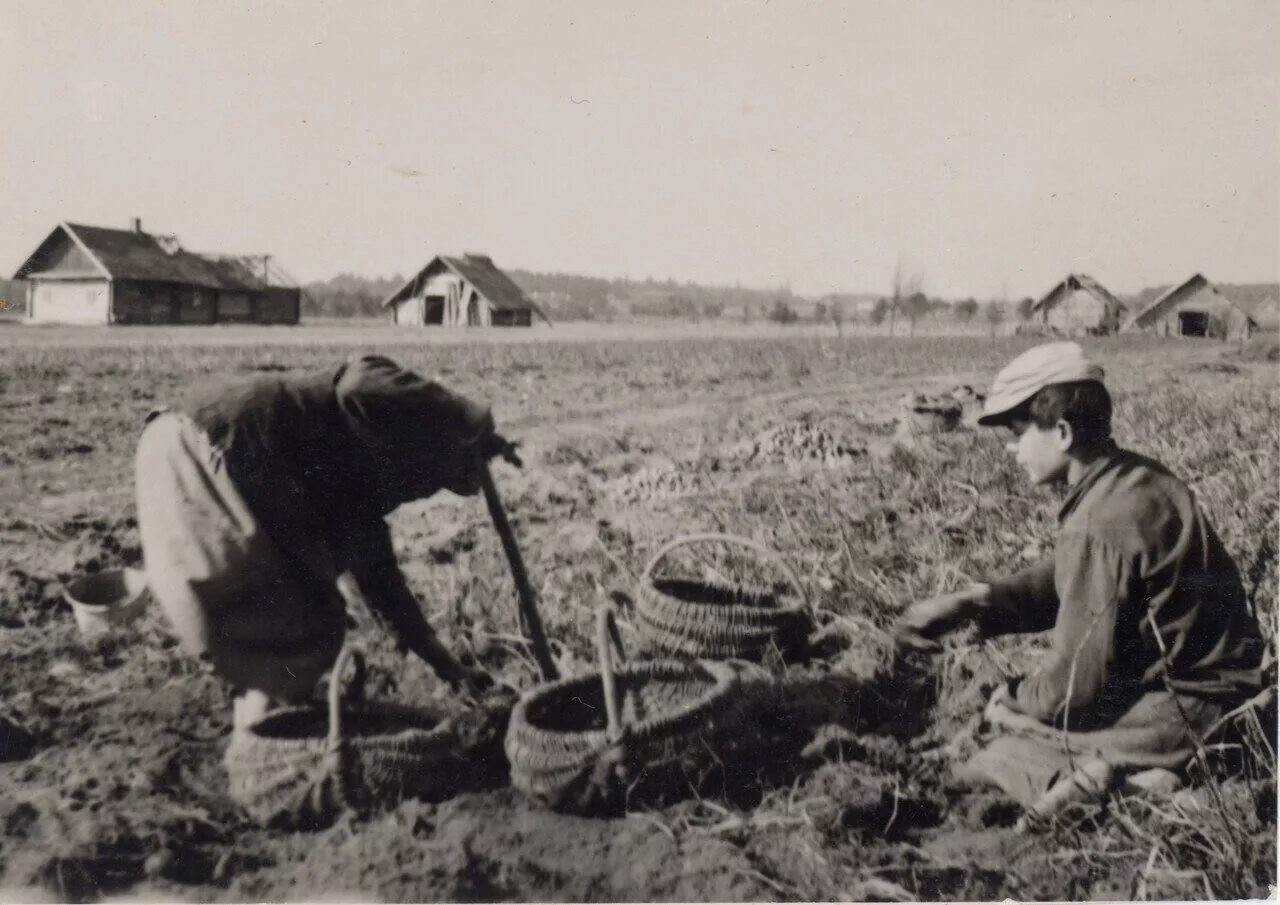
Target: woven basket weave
(690,618)
(574,743)
(302,766)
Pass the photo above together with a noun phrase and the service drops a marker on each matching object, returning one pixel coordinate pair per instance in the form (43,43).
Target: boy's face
(1042,452)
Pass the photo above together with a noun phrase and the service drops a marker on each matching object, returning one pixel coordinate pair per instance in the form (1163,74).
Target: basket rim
(722,679)
(648,592)
(732,540)
(259,730)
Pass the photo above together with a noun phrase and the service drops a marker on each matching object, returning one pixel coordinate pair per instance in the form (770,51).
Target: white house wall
(70,302)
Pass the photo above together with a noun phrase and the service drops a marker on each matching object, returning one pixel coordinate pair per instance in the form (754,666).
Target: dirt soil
(111,774)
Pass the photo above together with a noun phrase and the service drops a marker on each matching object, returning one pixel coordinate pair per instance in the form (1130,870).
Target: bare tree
(995,314)
(906,283)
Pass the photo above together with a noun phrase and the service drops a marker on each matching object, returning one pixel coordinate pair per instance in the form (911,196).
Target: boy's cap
(1031,372)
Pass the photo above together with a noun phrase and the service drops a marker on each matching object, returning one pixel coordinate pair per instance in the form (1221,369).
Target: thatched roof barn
(96,275)
(1079,304)
(466,291)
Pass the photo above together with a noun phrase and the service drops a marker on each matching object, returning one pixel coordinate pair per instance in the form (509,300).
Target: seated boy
(1152,635)
(255,496)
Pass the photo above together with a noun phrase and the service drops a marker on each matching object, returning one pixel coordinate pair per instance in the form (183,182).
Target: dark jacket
(1139,591)
(321,458)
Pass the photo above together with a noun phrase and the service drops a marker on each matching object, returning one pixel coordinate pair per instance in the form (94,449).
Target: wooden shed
(96,275)
(1079,304)
(1195,308)
(462,291)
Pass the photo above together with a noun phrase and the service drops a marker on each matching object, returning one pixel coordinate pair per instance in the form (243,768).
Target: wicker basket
(302,766)
(578,744)
(690,618)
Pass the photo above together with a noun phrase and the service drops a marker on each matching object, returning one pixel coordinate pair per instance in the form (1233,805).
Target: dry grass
(860,812)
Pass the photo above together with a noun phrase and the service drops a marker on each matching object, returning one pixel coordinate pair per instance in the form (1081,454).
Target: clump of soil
(924,413)
(27,599)
(16,743)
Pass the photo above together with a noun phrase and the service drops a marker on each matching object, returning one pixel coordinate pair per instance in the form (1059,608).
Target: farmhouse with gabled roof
(95,275)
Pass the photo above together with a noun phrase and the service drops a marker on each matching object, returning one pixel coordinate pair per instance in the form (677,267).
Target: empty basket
(715,620)
(577,744)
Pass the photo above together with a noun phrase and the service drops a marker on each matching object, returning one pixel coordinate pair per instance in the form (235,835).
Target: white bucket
(105,599)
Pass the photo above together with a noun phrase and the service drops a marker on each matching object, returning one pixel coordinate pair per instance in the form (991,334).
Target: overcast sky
(991,146)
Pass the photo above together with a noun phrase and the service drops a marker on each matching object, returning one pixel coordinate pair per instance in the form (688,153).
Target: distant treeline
(348,295)
(563,296)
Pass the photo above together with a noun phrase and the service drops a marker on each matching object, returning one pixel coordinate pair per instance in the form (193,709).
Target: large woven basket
(302,766)
(707,619)
(578,745)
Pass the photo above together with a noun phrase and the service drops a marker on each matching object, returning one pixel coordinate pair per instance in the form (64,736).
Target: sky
(988,147)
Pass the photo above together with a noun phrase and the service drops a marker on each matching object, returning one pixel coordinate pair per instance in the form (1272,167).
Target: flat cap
(1031,372)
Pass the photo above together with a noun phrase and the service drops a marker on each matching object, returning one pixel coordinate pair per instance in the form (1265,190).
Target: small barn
(96,275)
(462,291)
(1195,308)
(1078,304)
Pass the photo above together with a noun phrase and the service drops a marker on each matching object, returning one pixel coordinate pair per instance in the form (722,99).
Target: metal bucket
(102,600)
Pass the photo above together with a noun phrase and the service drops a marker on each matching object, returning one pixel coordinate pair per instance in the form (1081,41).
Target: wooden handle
(606,632)
(335,690)
(524,590)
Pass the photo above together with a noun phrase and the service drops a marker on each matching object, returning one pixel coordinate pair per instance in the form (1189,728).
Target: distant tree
(995,315)
(905,284)
(836,313)
(915,306)
(819,313)
(879,311)
(1024,308)
(782,313)
(966,310)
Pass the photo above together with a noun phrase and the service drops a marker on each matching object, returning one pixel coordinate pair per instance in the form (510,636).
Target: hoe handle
(528,598)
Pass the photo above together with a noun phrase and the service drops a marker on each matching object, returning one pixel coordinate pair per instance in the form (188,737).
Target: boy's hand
(925,620)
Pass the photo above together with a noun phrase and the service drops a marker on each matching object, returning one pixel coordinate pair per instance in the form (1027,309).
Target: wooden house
(95,275)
